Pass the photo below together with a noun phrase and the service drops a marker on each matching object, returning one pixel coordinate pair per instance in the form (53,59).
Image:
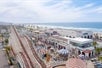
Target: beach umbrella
(75,63)
(82,56)
(63,51)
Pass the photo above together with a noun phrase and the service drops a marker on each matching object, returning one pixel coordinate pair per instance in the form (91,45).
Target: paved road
(3,59)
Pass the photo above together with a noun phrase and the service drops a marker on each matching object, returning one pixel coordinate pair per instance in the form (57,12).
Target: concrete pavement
(90,64)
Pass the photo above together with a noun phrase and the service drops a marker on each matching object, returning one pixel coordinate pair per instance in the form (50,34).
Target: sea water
(94,26)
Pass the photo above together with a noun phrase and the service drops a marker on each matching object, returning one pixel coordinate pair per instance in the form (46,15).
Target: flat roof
(79,40)
(60,37)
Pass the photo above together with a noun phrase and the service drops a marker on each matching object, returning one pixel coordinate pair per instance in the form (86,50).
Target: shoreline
(69,28)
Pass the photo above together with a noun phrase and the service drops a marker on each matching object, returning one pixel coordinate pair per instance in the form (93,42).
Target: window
(85,45)
(85,33)
(74,44)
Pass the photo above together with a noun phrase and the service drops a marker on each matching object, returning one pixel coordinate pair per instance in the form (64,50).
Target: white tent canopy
(81,56)
(63,51)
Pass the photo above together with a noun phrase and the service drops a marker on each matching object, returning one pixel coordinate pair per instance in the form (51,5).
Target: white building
(82,45)
(97,35)
(72,33)
(86,34)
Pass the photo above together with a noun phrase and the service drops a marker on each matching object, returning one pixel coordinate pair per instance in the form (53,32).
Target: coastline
(71,28)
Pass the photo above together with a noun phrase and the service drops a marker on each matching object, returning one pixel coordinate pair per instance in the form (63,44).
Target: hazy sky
(33,11)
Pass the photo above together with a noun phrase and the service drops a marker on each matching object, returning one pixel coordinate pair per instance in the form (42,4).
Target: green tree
(95,44)
(100,58)
(8,49)
(6,41)
(98,50)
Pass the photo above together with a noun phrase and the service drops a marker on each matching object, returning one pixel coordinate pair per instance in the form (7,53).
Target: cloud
(86,6)
(45,11)
(99,10)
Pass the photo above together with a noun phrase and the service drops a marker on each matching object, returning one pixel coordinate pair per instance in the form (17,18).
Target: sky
(45,11)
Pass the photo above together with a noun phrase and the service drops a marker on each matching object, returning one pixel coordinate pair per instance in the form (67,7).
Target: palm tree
(100,58)
(97,50)
(8,49)
(2,38)
(6,41)
(95,44)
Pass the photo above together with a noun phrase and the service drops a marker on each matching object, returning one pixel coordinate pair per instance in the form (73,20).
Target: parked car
(94,60)
(98,65)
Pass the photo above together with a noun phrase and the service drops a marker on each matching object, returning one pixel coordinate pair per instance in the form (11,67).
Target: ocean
(96,26)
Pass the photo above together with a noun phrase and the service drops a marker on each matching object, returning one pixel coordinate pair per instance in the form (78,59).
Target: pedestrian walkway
(90,64)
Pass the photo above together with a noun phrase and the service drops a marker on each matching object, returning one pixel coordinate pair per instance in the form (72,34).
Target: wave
(75,28)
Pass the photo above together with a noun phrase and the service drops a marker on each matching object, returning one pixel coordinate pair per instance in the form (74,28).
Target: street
(3,59)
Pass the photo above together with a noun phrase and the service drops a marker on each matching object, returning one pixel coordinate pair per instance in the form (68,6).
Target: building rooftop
(79,40)
(59,37)
(75,63)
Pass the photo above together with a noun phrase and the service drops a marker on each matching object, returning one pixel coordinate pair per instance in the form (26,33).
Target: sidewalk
(90,64)
(11,66)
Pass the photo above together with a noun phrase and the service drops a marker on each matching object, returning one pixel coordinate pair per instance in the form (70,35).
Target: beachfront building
(87,34)
(97,35)
(68,33)
(82,46)
(72,33)
(58,41)
(79,45)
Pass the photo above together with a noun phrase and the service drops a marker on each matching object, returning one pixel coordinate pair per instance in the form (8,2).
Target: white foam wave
(76,28)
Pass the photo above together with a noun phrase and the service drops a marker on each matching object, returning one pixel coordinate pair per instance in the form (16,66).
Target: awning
(87,51)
